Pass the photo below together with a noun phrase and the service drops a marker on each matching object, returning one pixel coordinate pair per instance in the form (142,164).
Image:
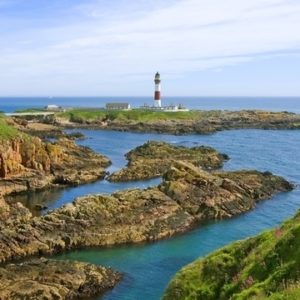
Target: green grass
(135,115)
(7,131)
(30,110)
(264,267)
(292,293)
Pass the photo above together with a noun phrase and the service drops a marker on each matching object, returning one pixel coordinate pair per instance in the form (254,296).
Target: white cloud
(178,38)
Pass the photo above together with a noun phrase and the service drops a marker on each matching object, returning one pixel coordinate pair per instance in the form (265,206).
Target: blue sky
(101,48)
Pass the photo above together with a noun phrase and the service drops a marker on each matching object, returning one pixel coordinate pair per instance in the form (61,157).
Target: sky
(114,48)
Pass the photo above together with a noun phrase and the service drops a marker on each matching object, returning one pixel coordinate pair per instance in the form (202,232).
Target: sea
(11,104)
(148,268)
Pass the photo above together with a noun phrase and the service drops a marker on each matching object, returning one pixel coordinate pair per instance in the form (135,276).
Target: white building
(117,106)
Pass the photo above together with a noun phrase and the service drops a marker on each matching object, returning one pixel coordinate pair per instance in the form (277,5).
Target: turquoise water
(148,268)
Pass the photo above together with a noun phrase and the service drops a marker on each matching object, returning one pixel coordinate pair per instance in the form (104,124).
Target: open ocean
(148,268)
(205,103)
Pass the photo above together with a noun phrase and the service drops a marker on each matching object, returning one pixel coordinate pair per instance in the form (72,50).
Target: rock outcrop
(27,163)
(263,267)
(186,197)
(218,195)
(50,279)
(44,131)
(154,158)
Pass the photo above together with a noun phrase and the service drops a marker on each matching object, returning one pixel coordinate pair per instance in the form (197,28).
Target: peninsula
(197,121)
(157,121)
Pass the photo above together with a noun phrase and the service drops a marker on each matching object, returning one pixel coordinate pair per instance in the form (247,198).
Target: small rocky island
(154,158)
(263,267)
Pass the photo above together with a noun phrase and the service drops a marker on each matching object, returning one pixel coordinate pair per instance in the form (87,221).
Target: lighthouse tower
(157,100)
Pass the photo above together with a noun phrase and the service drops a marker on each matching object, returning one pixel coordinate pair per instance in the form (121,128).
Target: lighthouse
(157,99)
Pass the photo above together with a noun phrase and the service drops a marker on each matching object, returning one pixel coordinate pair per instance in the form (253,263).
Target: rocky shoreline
(51,279)
(27,164)
(186,197)
(194,122)
(154,158)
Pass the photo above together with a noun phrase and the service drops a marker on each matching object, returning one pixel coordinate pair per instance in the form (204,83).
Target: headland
(179,123)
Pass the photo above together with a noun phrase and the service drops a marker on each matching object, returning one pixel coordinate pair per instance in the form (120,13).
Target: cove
(148,268)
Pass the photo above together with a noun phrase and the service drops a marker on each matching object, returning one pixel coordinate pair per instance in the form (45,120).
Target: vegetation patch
(264,267)
(82,115)
(30,110)
(7,131)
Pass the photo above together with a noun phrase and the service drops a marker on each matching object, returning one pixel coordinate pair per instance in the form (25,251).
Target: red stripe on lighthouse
(157,95)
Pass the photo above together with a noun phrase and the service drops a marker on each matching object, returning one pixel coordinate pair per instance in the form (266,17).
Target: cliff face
(263,267)
(186,197)
(27,163)
(20,153)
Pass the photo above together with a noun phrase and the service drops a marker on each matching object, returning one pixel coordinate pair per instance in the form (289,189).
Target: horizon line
(172,96)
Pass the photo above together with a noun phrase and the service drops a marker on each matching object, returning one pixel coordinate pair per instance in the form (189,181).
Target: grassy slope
(263,267)
(7,131)
(79,115)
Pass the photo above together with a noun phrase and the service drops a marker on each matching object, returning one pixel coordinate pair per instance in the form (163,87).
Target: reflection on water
(35,200)
(54,198)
